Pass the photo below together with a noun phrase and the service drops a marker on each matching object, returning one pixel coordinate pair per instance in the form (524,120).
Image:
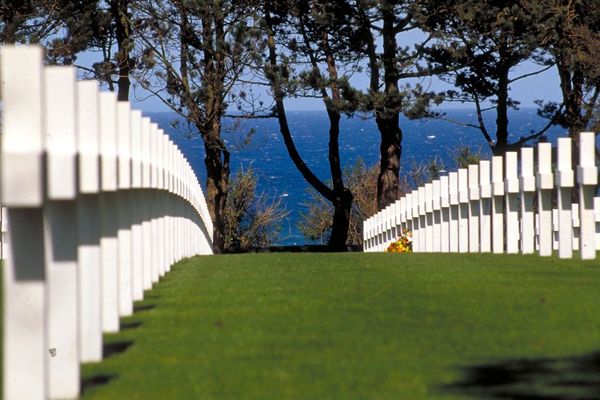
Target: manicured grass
(360,326)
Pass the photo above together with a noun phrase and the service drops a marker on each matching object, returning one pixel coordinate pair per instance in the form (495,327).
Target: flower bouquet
(403,244)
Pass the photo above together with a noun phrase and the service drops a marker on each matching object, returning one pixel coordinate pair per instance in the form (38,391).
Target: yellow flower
(403,244)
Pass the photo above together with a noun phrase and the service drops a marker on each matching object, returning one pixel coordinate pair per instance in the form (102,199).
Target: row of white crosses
(99,204)
(501,206)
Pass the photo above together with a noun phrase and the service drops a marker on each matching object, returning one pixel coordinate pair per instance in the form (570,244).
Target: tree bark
(390,150)
(341,221)
(120,16)
(217,155)
(342,196)
(571,84)
(217,182)
(388,117)
(502,112)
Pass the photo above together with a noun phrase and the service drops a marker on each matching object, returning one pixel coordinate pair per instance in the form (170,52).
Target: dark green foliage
(479,43)
(85,23)
(23,21)
(573,43)
(68,28)
(308,32)
(64,27)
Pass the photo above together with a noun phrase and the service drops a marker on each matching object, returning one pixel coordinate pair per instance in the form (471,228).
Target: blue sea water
(265,152)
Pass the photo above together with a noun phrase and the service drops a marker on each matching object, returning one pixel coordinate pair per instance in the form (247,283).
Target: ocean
(257,143)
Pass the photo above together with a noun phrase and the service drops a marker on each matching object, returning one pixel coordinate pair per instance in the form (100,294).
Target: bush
(315,223)
(421,173)
(464,157)
(251,219)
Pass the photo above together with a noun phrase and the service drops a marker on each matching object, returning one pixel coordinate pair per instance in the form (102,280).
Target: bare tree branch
(530,74)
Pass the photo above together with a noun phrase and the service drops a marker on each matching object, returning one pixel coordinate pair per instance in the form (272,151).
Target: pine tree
(387,97)
(480,43)
(573,44)
(191,55)
(315,60)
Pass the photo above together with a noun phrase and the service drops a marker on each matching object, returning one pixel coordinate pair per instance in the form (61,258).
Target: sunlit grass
(359,326)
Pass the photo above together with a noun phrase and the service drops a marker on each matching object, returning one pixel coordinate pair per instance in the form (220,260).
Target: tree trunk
(341,221)
(120,15)
(388,181)
(217,182)
(572,91)
(217,155)
(502,113)
(342,201)
(571,85)
(390,149)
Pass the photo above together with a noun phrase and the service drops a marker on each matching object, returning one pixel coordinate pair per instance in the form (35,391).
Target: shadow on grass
(143,307)
(110,349)
(96,380)
(568,378)
(131,325)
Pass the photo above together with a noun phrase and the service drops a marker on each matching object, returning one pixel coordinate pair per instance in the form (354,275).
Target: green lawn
(360,326)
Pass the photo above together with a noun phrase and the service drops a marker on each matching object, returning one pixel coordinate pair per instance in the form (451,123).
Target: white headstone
(527,186)
(90,327)
(498,204)
(587,178)
(463,210)
(485,206)
(61,239)
(474,208)
(512,202)
(564,183)
(25,346)
(545,184)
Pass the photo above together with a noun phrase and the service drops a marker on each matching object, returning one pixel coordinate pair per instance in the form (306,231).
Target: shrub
(422,172)
(251,218)
(315,223)
(464,156)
